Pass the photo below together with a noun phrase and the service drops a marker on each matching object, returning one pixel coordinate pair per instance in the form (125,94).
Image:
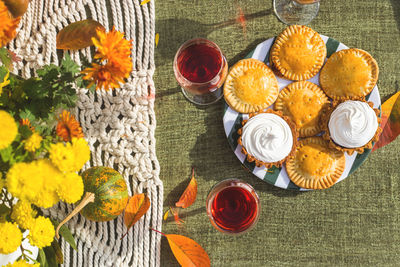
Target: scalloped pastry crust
(258,162)
(250,86)
(298,53)
(315,165)
(303,102)
(324,123)
(349,74)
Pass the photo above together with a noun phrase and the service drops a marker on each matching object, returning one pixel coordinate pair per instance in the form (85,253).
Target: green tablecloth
(354,223)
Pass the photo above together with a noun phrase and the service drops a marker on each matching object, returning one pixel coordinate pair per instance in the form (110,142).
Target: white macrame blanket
(118,125)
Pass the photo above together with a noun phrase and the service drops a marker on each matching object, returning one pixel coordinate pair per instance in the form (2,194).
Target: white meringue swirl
(352,124)
(267,137)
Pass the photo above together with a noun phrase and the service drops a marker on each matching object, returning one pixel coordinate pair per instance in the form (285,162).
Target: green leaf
(42,258)
(3,73)
(6,58)
(25,131)
(58,252)
(69,66)
(4,211)
(50,256)
(66,234)
(6,154)
(27,114)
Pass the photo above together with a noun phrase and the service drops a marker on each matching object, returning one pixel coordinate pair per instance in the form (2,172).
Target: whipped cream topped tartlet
(352,126)
(268,138)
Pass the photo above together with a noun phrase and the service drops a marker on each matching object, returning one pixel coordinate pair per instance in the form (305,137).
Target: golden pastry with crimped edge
(286,151)
(350,73)
(298,53)
(324,122)
(250,86)
(315,165)
(303,102)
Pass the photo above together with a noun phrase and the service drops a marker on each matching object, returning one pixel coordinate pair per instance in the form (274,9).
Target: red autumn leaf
(78,35)
(390,121)
(186,251)
(137,206)
(189,195)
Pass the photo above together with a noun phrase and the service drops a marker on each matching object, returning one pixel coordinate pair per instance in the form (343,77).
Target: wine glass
(200,69)
(233,206)
(296,11)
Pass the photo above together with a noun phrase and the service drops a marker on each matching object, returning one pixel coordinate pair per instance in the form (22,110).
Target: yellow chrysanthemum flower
(41,233)
(33,142)
(35,182)
(82,152)
(10,237)
(22,213)
(8,25)
(71,188)
(23,181)
(9,128)
(52,178)
(5,82)
(63,157)
(22,263)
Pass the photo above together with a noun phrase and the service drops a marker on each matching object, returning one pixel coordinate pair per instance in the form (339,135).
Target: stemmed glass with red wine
(200,69)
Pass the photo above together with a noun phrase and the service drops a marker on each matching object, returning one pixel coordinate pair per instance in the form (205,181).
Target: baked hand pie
(268,138)
(349,74)
(250,86)
(298,53)
(315,165)
(351,126)
(303,102)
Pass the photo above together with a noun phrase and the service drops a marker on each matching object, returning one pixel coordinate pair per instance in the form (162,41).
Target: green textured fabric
(354,223)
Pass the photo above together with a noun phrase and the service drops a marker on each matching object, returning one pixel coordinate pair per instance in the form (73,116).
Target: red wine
(199,63)
(234,209)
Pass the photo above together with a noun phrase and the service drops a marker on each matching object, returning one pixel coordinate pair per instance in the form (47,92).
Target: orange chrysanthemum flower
(68,127)
(114,51)
(8,25)
(27,122)
(105,77)
(114,48)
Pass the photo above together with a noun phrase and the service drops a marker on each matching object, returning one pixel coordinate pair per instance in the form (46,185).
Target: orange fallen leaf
(78,35)
(137,206)
(390,121)
(157,38)
(175,212)
(186,251)
(189,195)
(144,2)
(241,19)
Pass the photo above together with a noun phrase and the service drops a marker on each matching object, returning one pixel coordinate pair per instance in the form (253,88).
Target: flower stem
(157,231)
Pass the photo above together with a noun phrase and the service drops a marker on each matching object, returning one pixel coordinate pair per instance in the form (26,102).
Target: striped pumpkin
(110,193)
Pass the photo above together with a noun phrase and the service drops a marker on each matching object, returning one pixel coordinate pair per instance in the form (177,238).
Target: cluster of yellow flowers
(41,182)
(21,263)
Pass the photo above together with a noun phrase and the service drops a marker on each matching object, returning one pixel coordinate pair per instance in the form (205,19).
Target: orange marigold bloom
(114,51)
(105,77)
(8,25)
(113,47)
(27,122)
(68,127)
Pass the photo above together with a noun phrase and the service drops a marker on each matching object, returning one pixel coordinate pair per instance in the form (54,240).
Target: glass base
(204,99)
(291,12)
